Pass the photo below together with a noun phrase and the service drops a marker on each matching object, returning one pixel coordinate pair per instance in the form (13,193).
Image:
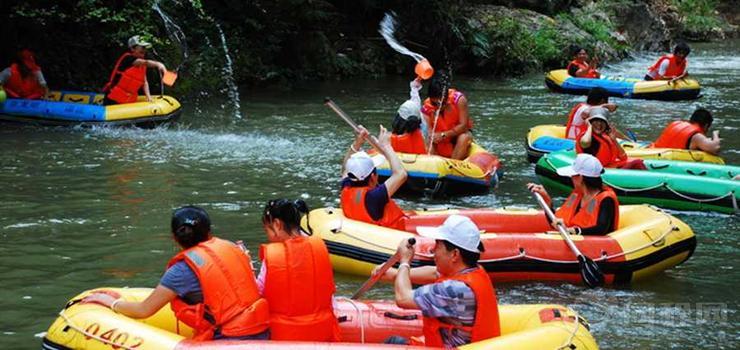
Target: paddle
(590,272)
(380,272)
(373,141)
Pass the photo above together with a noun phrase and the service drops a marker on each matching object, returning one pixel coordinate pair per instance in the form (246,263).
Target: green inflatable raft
(667,184)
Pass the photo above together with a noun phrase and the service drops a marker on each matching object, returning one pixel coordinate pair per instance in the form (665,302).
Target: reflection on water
(84,208)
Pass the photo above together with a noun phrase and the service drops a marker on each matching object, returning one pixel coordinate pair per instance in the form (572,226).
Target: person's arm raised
(355,147)
(586,138)
(703,143)
(398,173)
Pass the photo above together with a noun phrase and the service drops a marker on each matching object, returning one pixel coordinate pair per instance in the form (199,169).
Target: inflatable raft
(477,173)
(519,244)
(67,108)
(364,324)
(685,89)
(668,184)
(543,139)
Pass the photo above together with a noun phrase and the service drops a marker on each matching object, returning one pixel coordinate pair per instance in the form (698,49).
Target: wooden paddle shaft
(373,141)
(381,271)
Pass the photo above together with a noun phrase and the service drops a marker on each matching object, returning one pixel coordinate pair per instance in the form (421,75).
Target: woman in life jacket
(408,131)
(671,67)
(600,141)
(209,285)
(296,276)
(576,124)
(129,74)
(580,66)
(592,208)
(24,79)
(447,118)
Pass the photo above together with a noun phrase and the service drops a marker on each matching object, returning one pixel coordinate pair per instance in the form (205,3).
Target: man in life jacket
(597,97)
(580,67)
(296,258)
(408,135)
(671,67)
(362,197)
(690,134)
(129,74)
(210,285)
(600,141)
(446,113)
(24,79)
(592,208)
(457,298)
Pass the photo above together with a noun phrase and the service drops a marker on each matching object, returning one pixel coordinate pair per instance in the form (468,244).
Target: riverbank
(266,43)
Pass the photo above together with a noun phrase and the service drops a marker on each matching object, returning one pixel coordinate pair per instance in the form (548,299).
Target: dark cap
(191,216)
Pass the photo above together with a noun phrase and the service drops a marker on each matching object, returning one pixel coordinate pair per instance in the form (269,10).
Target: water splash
(387,29)
(228,69)
(174,32)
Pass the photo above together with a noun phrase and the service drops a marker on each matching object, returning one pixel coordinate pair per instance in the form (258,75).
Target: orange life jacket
(448,118)
(590,72)
(19,87)
(588,216)
(678,134)
(352,201)
(608,153)
(412,142)
(674,68)
(571,130)
(486,323)
(129,83)
(298,287)
(231,301)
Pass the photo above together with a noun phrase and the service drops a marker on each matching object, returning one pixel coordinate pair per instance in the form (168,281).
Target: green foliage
(698,15)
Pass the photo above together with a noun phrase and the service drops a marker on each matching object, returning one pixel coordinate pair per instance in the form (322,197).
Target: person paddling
(683,134)
(24,79)
(295,258)
(457,298)
(592,208)
(446,114)
(210,285)
(671,67)
(129,74)
(580,66)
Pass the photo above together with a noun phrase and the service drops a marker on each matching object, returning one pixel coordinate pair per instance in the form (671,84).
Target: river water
(86,208)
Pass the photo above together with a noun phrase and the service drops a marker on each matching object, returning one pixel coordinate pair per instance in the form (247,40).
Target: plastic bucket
(424,70)
(169,78)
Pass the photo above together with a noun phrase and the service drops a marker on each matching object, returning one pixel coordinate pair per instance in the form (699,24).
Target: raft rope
(360,316)
(523,253)
(90,335)
(568,344)
(668,187)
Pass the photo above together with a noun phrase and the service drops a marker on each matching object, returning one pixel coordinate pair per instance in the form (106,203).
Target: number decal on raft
(113,338)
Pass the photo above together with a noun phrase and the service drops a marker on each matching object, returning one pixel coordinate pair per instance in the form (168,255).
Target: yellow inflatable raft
(519,244)
(684,89)
(477,173)
(543,139)
(94,327)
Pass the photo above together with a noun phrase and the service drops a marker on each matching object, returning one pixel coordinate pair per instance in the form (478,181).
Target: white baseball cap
(584,165)
(598,113)
(361,165)
(138,41)
(458,230)
(410,108)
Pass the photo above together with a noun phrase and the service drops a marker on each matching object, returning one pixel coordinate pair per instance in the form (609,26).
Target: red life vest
(18,87)
(352,201)
(674,68)
(231,301)
(448,118)
(572,130)
(298,287)
(678,134)
(486,323)
(412,142)
(590,72)
(129,83)
(588,216)
(608,153)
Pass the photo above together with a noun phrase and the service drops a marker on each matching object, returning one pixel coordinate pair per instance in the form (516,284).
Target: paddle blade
(590,272)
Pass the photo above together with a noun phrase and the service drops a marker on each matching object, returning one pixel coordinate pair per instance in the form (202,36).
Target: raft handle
(702,173)
(663,166)
(342,319)
(401,317)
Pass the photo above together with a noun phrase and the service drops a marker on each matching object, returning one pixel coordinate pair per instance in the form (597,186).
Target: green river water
(84,208)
